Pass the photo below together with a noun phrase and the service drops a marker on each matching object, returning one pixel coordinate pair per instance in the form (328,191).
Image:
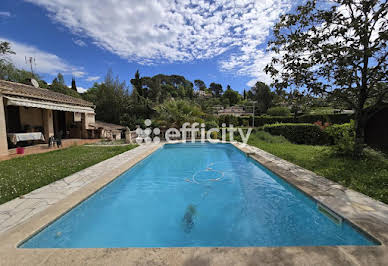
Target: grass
(21,175)
(110,142)
(368,176)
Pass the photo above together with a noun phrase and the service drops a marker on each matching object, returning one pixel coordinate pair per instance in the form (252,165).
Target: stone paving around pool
(20,209)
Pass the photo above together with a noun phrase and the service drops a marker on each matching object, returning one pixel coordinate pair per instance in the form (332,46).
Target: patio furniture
(16,137)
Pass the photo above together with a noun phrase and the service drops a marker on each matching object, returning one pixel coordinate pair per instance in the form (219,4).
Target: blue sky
(219,41)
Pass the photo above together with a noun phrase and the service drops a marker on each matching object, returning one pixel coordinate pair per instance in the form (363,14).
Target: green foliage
(5,48)
(211,124)
(111,99)
(9,72)
(265,119)
(261,93)
(200,85)
(368,175)
(279,111)
(228,120)
(215,89)
(21,175)
(343,137)
(232,96)
(347,57)
(299,133)
(261,135)
(58,85)
(177,112)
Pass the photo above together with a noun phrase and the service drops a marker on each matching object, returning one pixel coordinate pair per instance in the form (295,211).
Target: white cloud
(92,78)
(5,14)
(79,42)
(150,32)
(81,90)
(45,62)
(78,74)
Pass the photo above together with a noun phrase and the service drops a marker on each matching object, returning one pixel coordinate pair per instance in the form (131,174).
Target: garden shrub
(299,133)
(343,137)
(267,137)
(329,118)
(310,119)
(279,111)
(211,124)
(229,120)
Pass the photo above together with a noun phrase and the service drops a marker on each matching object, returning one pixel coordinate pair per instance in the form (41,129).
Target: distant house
(233,110)
(203,94)
(31,113)
(376,130)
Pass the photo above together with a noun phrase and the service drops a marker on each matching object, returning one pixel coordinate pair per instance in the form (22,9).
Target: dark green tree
(338,48)
(216,89)
(231,95)
(111,99)
(200,85)
(261,93)
(73,85)
(5,48)
(58,85)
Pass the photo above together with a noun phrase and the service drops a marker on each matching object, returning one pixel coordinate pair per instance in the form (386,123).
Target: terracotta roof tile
(18,89)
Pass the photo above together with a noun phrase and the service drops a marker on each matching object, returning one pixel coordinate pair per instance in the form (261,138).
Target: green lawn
(368,176)
(21,175)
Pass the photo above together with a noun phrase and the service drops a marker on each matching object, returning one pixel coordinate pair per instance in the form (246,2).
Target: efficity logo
(191,132)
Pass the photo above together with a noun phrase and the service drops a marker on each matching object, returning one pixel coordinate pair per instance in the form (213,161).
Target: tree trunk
(359,142)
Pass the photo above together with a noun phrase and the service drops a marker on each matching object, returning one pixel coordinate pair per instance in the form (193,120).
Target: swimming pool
(193,195)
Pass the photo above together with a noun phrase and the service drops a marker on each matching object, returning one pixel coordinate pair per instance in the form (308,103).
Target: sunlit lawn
(21,175)
(368,176)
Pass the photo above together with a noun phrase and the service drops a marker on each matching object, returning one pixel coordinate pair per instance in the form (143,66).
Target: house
(233,110)
(203,94)
(30,113)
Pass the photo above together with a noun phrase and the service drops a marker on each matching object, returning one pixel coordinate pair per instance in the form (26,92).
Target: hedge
(265,119)
(300,133)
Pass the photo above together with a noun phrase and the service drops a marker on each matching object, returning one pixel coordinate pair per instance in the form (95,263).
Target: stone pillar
(84,126)
(128,136)
(3,129)
(48,124)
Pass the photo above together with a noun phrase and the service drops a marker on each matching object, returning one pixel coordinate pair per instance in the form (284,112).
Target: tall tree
(262,95)
(216,89)
(73,85)
(232,95)
(338,48)
(199,85)
(5,48)
(58,85)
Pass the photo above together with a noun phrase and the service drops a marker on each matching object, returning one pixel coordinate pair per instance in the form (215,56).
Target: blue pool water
(188,195)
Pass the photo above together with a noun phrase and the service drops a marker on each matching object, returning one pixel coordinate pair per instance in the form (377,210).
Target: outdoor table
(16,137)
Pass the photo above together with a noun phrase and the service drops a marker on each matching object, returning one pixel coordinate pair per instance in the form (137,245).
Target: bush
(266,119)
(229,120)
(267,137)
(279,111)
(343,137)
(300,133)
(326,118)
(211,124)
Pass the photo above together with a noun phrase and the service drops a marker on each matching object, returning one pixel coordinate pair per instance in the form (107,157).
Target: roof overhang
(20,101)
